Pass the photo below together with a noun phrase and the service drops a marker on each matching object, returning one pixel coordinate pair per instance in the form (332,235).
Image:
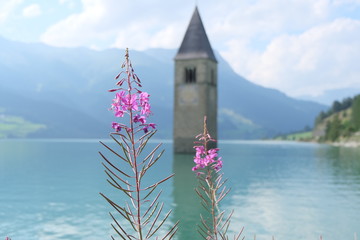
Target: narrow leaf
(238,236)
(149,234)
(151,214)
(161,223)
(119,227)
(152,152)
(152,204)
(172,229)
(110,149)
(159,182)
(117,169)
(115,175)
(117,231)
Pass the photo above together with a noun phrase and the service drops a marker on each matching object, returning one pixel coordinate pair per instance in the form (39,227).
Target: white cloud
(341,2)
(265,19)
(297,46)
(116,23)
(69,3)
(32,10)
(7,7)
(78,29)
(160,22)
(322,58)
(135,38)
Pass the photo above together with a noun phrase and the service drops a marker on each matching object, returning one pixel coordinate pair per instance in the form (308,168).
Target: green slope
(17,127)
(340,123)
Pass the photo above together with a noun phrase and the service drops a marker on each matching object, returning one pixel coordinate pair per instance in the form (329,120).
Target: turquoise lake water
(49,189)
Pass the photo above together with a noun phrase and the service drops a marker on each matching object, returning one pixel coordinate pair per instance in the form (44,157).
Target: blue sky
(305,48)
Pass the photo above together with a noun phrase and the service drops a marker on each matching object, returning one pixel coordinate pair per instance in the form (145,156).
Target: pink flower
(139,118)
(145,109)
(146,128)
(200,150)
(144,98)
(119,97)
(116,106)
(199,162)
(130,101)
(218,165)
(203,159)
(118,112)
(116,126)
(213,152)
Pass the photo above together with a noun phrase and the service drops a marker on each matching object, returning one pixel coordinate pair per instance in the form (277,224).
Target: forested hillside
(340,122)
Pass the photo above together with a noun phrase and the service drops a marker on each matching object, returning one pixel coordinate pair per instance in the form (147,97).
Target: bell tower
(195,87)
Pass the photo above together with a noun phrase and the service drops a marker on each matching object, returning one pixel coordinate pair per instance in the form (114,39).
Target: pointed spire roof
(195,43)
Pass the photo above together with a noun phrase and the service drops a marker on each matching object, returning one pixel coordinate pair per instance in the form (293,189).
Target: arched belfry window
(190,75)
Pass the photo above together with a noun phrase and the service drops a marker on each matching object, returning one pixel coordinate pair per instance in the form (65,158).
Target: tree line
(341,125)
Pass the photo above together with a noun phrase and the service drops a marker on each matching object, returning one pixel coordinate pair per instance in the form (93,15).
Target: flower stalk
(211,189)
(141,211)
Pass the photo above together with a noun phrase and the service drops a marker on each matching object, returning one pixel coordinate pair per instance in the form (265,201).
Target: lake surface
(49,189)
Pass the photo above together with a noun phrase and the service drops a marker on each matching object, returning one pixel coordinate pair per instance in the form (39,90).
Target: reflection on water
(187,204)
(294,191)
(344,162)
(49,190)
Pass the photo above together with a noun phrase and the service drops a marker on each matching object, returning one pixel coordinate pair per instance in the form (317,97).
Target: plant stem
(211,186)
(134,103)
(137,180)
(213,208)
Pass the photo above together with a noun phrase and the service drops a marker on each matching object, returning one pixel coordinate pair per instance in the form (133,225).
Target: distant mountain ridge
(65,89)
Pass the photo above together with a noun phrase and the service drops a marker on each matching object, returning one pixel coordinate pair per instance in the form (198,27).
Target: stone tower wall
(193,101)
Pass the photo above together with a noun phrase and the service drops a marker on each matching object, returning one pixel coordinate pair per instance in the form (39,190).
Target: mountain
(65,89)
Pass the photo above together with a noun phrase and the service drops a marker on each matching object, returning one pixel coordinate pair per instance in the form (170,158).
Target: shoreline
(350,144)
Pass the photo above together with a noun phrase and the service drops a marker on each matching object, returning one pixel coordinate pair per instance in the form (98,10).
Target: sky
(305,48)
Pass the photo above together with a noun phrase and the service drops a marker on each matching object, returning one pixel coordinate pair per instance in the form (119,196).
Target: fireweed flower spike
(142,216)
(211,189)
